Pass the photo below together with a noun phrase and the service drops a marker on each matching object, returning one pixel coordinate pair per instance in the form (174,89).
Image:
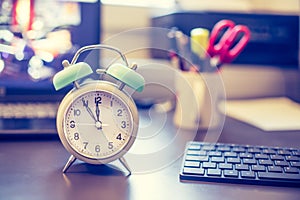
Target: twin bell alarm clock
(97,121)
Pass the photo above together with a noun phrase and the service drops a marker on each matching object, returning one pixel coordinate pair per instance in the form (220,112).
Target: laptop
(33,43)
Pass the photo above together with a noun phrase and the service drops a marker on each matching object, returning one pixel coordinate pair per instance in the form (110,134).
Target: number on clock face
(98,124)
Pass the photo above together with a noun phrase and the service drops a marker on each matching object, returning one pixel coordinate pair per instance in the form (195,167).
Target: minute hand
(86,105)
(97,112)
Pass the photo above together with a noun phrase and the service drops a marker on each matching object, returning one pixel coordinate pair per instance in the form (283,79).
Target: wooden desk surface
(31,169)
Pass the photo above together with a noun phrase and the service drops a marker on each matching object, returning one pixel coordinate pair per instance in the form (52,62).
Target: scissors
(231,43)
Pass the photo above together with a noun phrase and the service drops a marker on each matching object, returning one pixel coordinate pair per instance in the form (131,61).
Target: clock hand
(86,105)
(98,122)
(92,124)
(105,136)
(97,112)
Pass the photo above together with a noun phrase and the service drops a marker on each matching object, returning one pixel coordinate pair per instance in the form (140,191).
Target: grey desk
(31,169)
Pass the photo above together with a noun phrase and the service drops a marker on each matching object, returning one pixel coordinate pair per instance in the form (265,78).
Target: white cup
(198,100)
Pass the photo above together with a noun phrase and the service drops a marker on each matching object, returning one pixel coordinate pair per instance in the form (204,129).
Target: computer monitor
(36,36)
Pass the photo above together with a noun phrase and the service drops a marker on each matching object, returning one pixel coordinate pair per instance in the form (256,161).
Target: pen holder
(198,99)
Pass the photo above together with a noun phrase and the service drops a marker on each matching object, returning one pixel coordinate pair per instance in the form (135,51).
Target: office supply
(199,41)
(243,164)
(270,33)
(200,58)
(189,54)
(233,40)
(180,48)
(97,121)
(199,98)
(23,86)
(269,114)
(175,59)
(191,93)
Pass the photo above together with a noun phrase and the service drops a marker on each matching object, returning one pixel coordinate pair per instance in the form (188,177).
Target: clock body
(97,123)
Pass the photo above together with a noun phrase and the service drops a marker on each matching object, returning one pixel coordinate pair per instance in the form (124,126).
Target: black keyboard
(242,164)
(28,110)
(36,118)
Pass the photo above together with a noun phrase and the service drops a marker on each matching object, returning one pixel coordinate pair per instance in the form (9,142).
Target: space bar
(279,176)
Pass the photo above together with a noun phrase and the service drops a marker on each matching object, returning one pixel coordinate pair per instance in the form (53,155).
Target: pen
(174,56)
(199,41)
(199,44)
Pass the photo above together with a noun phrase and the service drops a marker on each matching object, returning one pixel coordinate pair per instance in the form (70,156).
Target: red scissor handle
(226,48)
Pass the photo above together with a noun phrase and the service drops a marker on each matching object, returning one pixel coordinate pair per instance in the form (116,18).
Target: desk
(31,169)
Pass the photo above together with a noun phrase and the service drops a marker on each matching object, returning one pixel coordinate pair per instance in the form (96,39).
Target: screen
(37,35)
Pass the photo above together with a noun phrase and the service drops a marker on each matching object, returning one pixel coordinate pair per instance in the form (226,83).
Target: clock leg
(124,163)
(69,163)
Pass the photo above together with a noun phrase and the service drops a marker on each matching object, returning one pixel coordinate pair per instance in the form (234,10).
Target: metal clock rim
(100,85)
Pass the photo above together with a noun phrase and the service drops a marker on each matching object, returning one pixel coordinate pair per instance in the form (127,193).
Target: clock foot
(124,163)
(69,163)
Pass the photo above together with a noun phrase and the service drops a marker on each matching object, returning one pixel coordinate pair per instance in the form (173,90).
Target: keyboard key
(194,147)
(208,147)
(279,176)
(192,164)
(292,158)
(269,151)
(260,168)
(284,152)
(265,162)
(223,148)
(217,159)
(274,169)
(249,161)
(241,167)
(295,164)
(196,153)
(296,153)
(238,149)
(197,158)
(246,155)
(215,153)
(231,173)
(230,154)
(234,160)
(277,157)
(281,163)
(261,156)
(247,174)
(253,150)
(225,166)
(209,165)
(292,170)
(196,171)
(214,172)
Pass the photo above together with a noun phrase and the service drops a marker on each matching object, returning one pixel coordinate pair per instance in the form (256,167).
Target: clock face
(98,124)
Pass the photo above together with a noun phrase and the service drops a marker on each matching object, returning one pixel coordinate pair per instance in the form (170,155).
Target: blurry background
(118,15)
(268,78)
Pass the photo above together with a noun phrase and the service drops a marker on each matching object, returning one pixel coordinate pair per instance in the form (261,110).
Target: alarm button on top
(70,74)
(127,76)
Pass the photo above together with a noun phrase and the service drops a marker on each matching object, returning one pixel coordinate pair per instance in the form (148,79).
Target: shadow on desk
(100,170)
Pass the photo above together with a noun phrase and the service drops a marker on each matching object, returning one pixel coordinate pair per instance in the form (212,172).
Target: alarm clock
(97,121)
